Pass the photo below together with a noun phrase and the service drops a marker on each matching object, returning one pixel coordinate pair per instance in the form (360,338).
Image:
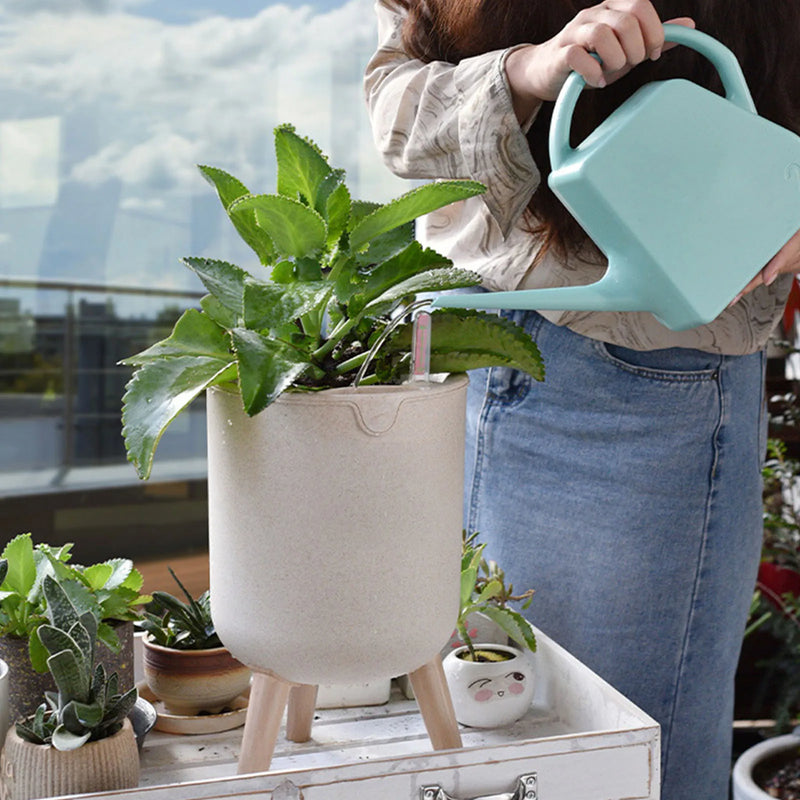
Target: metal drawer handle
(526,790)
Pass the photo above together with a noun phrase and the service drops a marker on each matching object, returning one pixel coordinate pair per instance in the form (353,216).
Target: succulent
(88,704)
(182,626)
(484,591)
(343,277)
(110,590)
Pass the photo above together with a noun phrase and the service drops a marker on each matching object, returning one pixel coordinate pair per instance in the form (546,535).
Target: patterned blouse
(442,120)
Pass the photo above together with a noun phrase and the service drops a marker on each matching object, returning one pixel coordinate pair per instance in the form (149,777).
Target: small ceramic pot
(491,693)
(36,770)
(191,681)
(755,759)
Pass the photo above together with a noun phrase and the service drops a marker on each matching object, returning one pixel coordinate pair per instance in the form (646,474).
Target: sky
(106,106)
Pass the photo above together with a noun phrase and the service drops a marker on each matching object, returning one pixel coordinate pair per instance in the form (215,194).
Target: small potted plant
(110,590)
(491,684)
(185,664)
(79,740)
(324,460)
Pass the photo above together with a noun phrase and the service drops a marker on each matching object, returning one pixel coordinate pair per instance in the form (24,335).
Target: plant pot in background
(26,687)
(488,694)
(335,523)
(191,681)
(761,762)
(35,770)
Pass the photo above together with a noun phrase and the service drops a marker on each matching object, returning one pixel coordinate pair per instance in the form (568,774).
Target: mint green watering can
(687,193)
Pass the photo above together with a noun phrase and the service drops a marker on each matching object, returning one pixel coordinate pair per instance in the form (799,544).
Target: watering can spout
(604,295)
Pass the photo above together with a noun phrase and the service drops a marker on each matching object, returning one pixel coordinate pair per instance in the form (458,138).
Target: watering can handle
(721,57)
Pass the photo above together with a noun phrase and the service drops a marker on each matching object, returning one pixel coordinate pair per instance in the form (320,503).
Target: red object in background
(791,308)
(775,581)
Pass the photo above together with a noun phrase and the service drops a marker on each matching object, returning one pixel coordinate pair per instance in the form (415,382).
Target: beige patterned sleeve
(441,120)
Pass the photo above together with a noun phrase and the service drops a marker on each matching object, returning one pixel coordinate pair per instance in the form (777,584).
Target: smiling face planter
(488,694)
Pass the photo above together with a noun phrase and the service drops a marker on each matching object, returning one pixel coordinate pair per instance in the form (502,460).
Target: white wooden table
(581,740)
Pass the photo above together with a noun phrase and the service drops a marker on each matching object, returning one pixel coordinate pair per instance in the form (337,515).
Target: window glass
(106,106)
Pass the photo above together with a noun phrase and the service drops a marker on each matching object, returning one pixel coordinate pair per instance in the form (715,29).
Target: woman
(626,487)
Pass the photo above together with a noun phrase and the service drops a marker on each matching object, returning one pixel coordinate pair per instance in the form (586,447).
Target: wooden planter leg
(300,714)
(435,704)
(268,697)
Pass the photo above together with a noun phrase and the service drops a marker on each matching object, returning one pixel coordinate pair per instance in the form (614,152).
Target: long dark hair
(764,35)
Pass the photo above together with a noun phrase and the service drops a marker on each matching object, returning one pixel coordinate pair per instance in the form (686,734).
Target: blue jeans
(626,489)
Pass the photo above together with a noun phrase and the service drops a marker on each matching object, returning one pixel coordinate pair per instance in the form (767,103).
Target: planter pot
(758,762)
(335,523)
(26,687)
(480,629)
(191,681)
(34,770)
(777,581)
(493,693)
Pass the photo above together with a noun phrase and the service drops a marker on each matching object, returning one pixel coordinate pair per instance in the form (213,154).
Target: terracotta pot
(33,770)
(191,681)
(26,687)
(492,693)
(335,523)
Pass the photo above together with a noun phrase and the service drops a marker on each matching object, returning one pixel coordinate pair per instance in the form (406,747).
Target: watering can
(687,193)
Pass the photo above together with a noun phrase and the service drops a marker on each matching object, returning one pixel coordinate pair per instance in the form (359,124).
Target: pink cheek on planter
(482,695)
(516,688)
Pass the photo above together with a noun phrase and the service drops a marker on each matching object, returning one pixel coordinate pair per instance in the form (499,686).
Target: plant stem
(466,638)
(351,363)
(338,333)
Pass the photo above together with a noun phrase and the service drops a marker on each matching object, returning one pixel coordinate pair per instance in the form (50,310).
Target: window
(105,108)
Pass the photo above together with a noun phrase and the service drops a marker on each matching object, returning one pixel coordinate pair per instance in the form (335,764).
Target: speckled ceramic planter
(34,770)
(191,681)
(26,688)
(492,693)
(335,523)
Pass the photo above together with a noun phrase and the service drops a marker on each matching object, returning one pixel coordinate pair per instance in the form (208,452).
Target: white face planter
(491,693)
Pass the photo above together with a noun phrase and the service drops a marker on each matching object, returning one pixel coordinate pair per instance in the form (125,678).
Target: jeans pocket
(677,364)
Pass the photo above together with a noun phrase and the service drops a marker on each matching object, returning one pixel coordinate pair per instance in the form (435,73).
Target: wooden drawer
(581,740)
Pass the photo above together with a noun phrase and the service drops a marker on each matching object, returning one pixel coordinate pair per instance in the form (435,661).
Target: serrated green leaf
(410,261)
(134,580)
(272,306)
(98,575)
(157,393)
(302,168)
(214,310)
(21,572)
(411,205)
(194,334)
(337,213)
(121,570)
(430,280)
(295,229)
(230,189)
(266,368)
(462,340)
(513,624)
(225,281)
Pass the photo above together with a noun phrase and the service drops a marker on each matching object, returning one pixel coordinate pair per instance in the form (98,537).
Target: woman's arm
(441,120)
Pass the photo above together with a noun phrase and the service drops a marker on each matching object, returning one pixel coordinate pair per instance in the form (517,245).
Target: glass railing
(61,384)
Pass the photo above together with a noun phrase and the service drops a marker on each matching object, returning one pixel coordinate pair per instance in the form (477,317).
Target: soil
(779,779)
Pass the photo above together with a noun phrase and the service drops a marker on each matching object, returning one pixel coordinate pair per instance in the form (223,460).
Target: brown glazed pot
(191,681)
(37,770)
(26,688)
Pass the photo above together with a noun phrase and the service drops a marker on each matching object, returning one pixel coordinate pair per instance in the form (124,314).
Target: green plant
(781,507)
(342,276)
(484,591)
(182,626)
(109,590)
(88,705)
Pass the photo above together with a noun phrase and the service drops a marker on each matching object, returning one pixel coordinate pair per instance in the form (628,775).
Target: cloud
(162,95)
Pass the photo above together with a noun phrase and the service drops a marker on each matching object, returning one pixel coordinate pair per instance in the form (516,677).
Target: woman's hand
(785,261)
(622,33)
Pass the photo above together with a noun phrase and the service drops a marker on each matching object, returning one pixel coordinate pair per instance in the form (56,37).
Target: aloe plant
(88,705)
(342,273)
(484,590)
(111,590)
